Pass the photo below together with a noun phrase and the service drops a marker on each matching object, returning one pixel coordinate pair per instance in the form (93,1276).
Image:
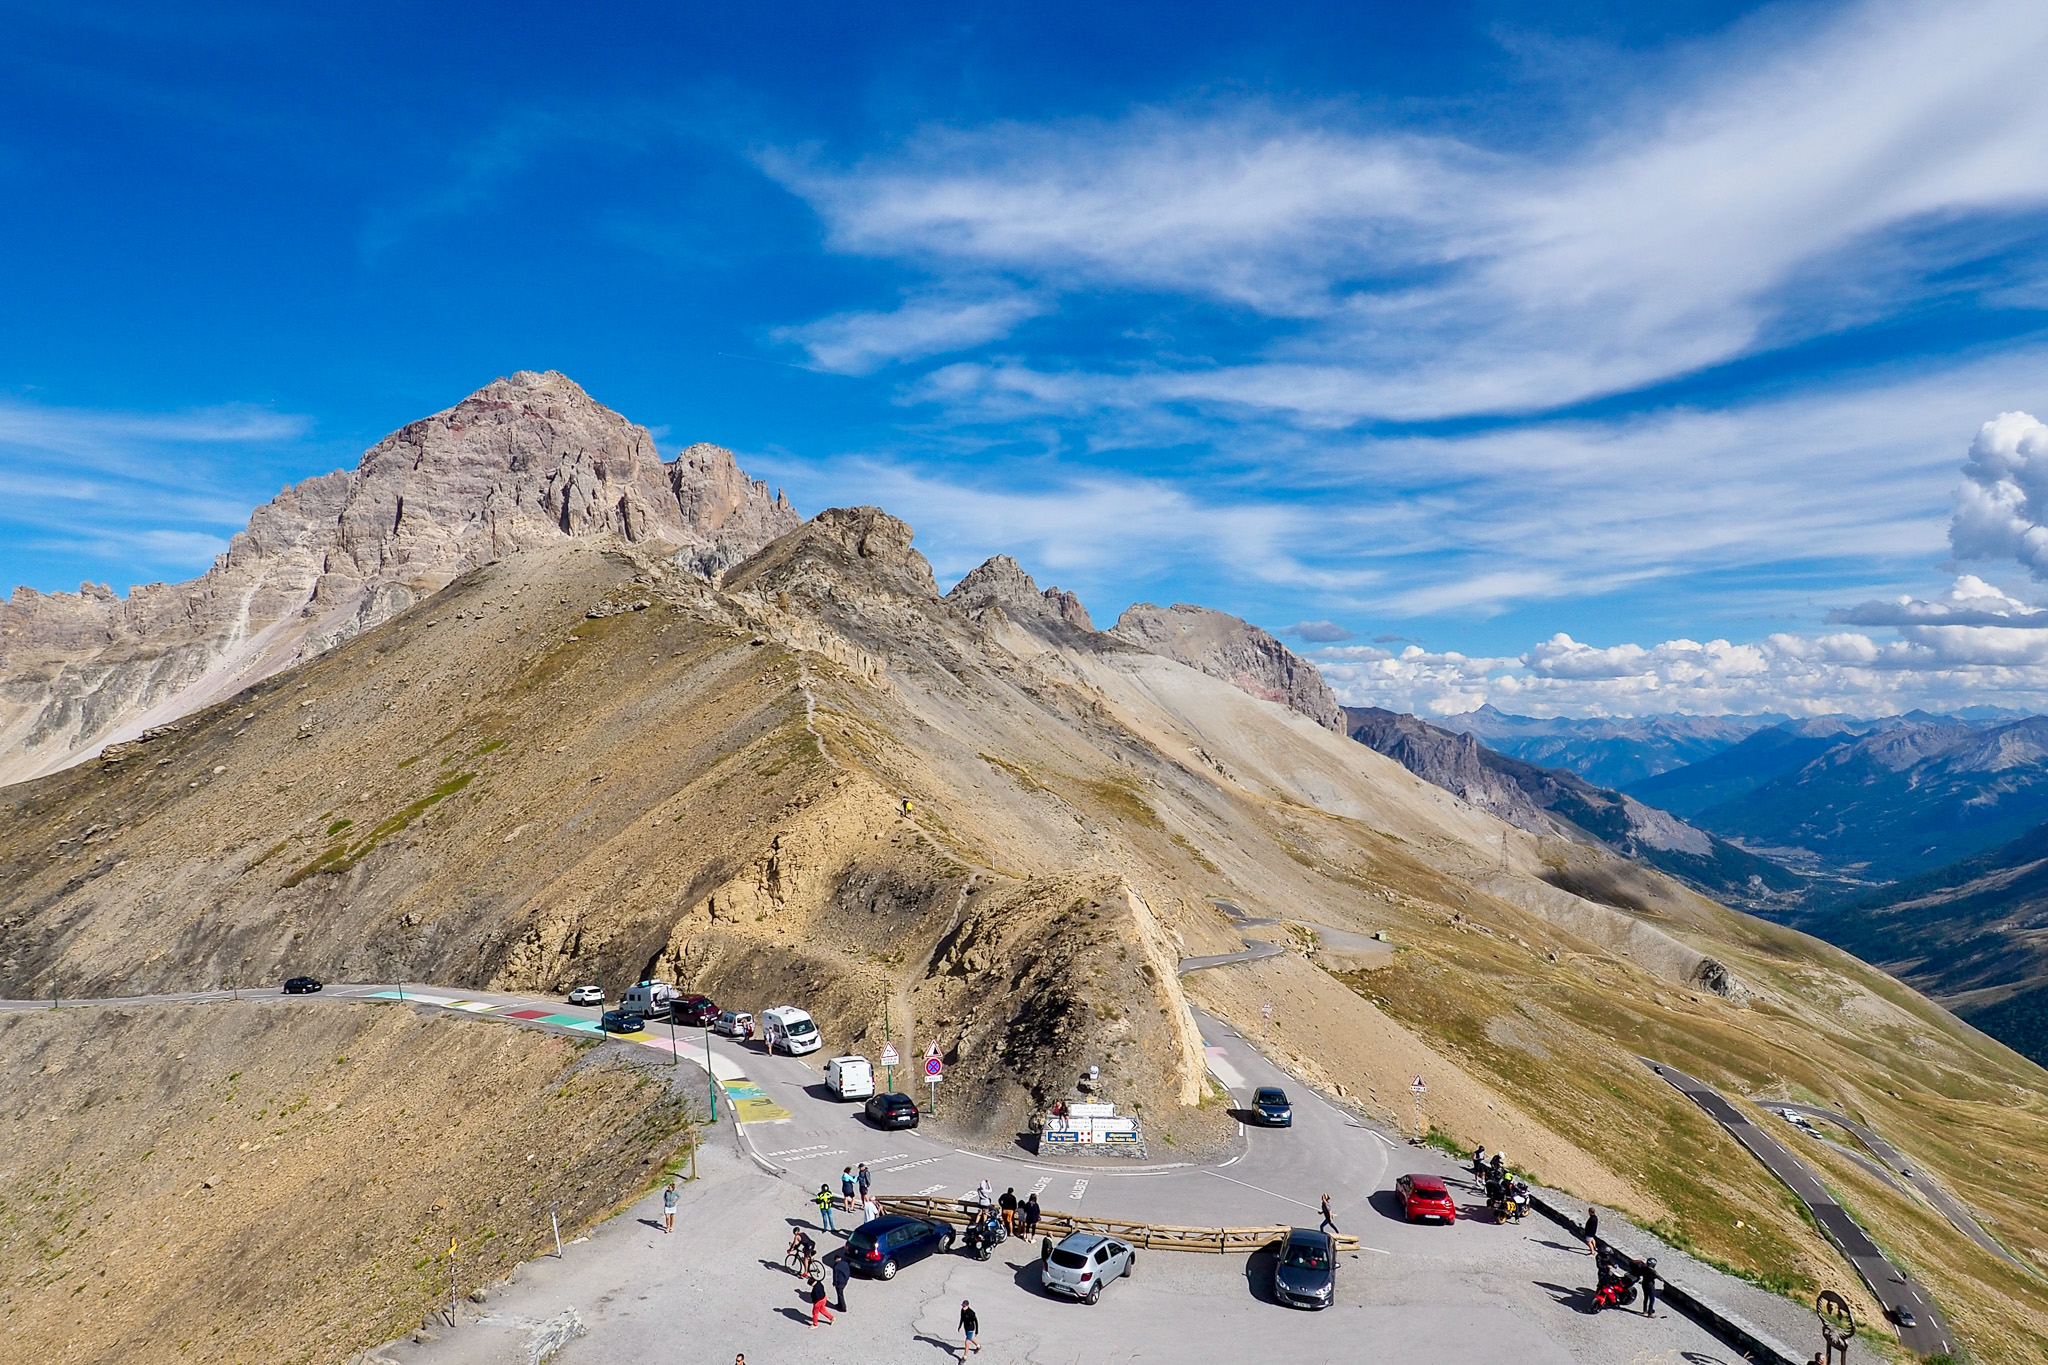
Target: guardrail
(1734,1331)
(1150,1236)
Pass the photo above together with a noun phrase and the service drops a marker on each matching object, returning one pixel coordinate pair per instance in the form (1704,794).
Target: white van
(790,1029)
(648,999)
(850,1078)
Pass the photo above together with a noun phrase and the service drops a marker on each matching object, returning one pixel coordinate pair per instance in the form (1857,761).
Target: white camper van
(790,1029)
(648,999)
(850,1078)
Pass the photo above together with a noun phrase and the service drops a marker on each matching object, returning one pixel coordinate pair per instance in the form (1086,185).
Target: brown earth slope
(584,762)
(241,1183)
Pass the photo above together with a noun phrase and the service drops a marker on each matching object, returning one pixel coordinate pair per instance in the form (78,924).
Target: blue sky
(1583,358)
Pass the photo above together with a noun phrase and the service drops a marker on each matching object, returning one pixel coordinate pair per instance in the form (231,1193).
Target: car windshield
(801,1026)
(1272,1097)
(1431,1192)
(1308,1257)
(1069,1260)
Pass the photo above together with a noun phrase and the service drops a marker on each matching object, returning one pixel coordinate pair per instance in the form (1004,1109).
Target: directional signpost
(1418,1089)
(889,1061)
(934,1070)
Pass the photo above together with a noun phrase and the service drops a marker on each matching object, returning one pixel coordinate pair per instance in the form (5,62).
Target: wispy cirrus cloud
(1748,205)
(141,488)
(928,325)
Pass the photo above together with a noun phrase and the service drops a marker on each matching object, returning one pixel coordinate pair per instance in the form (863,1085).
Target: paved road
(1951,1208)
(1887,1282)
(1460,1293)
(1255,948)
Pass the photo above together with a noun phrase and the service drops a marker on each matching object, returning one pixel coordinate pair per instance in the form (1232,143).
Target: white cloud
(861,342)
(2004,497)
(1440,277)
(1318,632)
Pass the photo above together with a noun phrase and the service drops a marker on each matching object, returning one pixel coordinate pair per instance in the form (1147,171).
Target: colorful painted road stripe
(749,1103)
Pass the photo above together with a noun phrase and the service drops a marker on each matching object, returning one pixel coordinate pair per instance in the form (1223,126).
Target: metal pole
(710,1081)
(675,1053)
(556,1224)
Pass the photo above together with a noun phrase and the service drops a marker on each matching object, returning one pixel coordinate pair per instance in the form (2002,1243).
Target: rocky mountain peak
(525,461)
(1236,651)
(1002,582)
(842,552)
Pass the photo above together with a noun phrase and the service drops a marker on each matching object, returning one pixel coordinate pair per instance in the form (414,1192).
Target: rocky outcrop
(1002,584)
(524,461)
(1237,652)
(1454,762)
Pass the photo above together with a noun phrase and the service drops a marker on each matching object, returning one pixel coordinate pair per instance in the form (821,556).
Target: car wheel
(946,1244)
(1131,1266)
(888,1270)
(1094,1294)
(982,1253)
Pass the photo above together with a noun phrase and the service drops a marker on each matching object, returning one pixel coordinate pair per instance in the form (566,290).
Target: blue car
(1274,1110)
(880,1248)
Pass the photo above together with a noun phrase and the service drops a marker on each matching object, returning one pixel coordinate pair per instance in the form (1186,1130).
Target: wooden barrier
(1151,1236)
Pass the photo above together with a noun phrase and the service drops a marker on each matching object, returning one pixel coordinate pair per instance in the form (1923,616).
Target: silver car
(1084,1262)
(587,995)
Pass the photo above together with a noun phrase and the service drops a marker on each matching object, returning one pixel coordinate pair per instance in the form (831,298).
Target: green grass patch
(337,827)
(342,855)
(1120,794)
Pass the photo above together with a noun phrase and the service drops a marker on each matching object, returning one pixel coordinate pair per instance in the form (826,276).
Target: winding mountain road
(1930,1335)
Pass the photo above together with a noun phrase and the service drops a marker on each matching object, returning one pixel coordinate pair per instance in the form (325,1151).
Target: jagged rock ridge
(1236,651)
(524,461)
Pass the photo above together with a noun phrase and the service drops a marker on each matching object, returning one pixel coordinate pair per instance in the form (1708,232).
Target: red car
(1424,1196)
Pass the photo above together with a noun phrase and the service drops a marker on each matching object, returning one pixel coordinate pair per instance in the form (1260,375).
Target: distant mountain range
(1918,842)
(1559,802)
(1608,751)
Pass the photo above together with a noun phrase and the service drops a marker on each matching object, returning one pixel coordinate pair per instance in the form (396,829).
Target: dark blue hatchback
(1274,1110)
(880,1248)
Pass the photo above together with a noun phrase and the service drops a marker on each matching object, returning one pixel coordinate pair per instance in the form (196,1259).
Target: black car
(694,1011)
(1305,1273)
(301,985)
(880,1248)
(892,1111)
(1274,1110)
(619,1021)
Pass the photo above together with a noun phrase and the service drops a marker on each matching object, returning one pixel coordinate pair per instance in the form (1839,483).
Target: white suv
(1084,1262)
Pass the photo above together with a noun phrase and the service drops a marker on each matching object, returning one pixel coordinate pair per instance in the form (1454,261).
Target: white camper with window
(790,1029)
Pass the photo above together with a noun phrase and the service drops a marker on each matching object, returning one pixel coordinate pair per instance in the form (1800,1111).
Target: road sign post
(1418,1089)
(889,1061)
(934,1071)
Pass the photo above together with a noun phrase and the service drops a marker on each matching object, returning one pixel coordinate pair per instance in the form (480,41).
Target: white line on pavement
(909,1164)
(929,1189)
(1039,1188)
(1248,1185)
(1233,1161)
(1080,1188)
(982,1156)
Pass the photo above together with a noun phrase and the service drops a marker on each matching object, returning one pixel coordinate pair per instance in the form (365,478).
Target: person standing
(1592,1231)
(818,1307)
(1650,1287)
(1031,1214)
(970,1328)
(668,1208)
(869,1209)
(1009,1206)
(985,1195)
(842,1271)
(823,1199)
(864,1180)
(1328,1221)
(847,1190)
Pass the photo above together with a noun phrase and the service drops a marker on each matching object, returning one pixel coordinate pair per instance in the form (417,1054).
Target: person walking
(1650,1287)
(1031,1214)
(842,1271)
(668,1208)
(818,1307)
(1009,1207)
(1592,1233)
(864,1180)
(847,1190)
(1328,1221)
(970,1328)
(985,1195)
(823,1199)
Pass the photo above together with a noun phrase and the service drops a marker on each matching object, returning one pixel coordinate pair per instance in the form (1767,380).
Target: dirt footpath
(244,1182)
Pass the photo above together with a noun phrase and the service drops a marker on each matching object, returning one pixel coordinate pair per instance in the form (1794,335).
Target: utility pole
(710,1084)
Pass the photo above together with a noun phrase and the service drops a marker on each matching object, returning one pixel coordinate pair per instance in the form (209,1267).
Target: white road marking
(808,1156)
(979,1156)
(801,1151)
(929,1189)
(1080,1188)
(1248,1185)
(893,1156)
(1234,1160)
(910,1164)
(1039,1188)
